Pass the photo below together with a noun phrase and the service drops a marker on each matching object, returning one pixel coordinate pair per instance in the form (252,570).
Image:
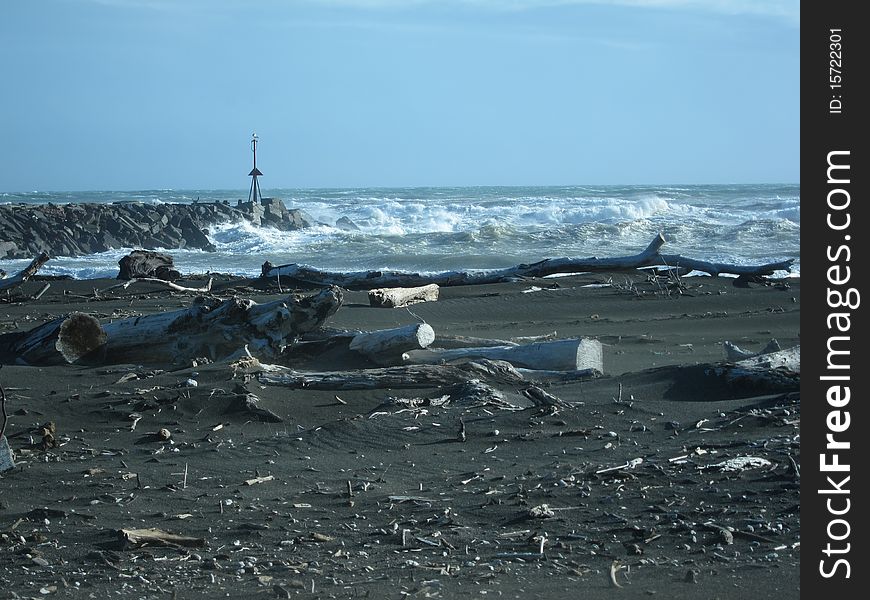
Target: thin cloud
(404,27)
(162,5)
(785,9)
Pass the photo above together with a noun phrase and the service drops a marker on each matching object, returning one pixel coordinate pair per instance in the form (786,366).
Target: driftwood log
(650,257)
(138,538)
(399,297)
(162,282)
(7,461)
(558,355)
(778,371)
(734,353)
(386,346)
(461,341)
(208,328)
(762,374)
(25,274)
(65,340)
(411,376)
(551,360)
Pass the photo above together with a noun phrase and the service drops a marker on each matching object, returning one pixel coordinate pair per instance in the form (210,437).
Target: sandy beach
(622,490)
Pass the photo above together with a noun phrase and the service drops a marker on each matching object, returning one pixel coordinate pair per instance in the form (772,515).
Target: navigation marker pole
(254,194)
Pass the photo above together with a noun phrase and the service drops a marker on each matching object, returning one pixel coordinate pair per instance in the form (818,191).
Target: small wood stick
(3,409)
(614,569)
(39,294)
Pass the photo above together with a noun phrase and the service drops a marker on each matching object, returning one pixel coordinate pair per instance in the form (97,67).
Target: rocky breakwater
(78,229)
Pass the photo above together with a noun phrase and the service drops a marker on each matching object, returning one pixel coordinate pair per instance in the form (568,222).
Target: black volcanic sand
(370,500)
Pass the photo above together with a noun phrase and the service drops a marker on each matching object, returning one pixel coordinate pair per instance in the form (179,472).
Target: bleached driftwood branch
(169,284)
(411,376)
(650,257)
(403,296)
(24,274)
(558,355)
(448,342)
(734,353)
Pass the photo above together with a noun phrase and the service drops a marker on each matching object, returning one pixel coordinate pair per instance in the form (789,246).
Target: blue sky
(152,94)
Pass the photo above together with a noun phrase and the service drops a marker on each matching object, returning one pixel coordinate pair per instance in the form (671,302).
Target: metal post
(254,195)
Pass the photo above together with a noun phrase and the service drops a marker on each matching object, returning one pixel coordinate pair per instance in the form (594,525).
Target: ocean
(449,228)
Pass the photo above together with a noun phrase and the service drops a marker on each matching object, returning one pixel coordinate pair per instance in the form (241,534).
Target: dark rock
(193,235)
(8,248)
(143,263)
(151,242)
(346,224)
(113,226)
(70,230)
(298,219)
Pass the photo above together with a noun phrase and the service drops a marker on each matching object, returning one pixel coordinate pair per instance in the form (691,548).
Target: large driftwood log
(208,328)
(734,353)
(559,355)
(387,345)
(788,359)
(399,297)
(7,461)
(410,376)
(64,340)
(461,341)
(25,273)
(651,257)
(778,371)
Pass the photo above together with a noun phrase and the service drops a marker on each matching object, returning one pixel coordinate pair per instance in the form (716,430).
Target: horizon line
(396,187)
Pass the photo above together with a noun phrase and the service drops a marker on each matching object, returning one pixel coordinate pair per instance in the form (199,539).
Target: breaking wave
(454,228)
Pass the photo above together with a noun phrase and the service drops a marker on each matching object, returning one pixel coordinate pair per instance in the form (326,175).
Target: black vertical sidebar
(835,421)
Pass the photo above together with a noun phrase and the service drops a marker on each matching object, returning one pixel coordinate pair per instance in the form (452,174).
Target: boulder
(346,224)
(76,229)
(298,219)
(8,249)
(144,263)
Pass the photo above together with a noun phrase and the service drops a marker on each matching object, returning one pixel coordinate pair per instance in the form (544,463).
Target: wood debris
(138,538)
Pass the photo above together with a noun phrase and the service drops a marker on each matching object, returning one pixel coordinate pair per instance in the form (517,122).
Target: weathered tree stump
(209,327)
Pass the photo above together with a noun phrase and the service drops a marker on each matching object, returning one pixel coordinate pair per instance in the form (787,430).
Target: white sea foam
(455,228)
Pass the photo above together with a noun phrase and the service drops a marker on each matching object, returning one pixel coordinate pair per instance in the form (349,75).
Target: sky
(159,94)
